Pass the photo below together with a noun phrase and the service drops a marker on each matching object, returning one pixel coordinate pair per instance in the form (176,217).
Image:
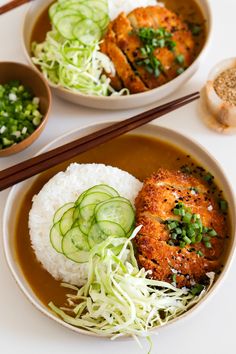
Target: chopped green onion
(208,177)
(208,244)
(188,229)
(199,253)
(197,289)
(180,71)
(152,39)
(223,205)
(179,59)
(19,113)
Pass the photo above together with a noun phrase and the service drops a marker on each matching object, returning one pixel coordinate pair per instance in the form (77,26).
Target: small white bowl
(219,115)
(18,192)
(116,102)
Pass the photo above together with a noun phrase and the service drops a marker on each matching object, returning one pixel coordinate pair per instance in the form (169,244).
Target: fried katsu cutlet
(124,47)
(156,250)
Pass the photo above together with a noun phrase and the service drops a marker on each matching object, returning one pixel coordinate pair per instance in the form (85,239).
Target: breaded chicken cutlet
(160,245)
(136,70)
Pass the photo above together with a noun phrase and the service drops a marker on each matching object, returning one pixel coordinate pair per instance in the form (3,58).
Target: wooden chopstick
(74,144)
(35,165)
(12,5)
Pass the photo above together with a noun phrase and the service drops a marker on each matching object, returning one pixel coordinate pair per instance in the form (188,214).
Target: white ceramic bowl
(123,102)
(195,150)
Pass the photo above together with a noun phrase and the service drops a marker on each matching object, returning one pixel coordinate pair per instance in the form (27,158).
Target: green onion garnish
(19,113)
(153,39)
(179,59)
(197,289)
(188,229)
(223,205)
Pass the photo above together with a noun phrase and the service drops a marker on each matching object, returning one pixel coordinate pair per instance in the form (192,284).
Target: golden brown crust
(123,46)
(154,204)
(124,70)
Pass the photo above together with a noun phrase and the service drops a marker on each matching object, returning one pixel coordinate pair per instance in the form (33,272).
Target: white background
(210,330)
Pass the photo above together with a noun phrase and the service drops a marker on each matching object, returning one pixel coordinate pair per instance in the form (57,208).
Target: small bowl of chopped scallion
(24,106)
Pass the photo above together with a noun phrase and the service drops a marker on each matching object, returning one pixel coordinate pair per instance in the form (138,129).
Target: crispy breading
(123,69)
(121,34)
(154,204)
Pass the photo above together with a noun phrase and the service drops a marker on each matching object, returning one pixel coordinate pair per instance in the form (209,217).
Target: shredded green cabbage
(75,66)
(119,298)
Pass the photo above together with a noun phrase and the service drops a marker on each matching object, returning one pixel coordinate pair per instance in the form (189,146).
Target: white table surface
(211,329)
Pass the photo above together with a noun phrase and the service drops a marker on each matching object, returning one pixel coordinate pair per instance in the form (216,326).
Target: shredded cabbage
(75,66)
(119,298)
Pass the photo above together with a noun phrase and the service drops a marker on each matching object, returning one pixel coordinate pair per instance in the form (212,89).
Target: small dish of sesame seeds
(218,97)
(24,105)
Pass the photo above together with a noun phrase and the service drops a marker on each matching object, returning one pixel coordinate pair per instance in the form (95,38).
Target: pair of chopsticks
(40,163)
(12,5)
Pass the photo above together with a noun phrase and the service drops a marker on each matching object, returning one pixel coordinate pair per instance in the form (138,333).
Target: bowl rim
(36,302)
(184,75)
(7,151)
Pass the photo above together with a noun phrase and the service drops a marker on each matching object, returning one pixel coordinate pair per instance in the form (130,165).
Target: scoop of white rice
(65,187)
(115,7)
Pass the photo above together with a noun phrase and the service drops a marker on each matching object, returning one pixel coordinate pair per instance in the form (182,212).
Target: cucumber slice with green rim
(83,9)
(75,224)
(76,214)
(85,225)
(96,235)
(66,24)
(75,246)
(94,198)
(117,210)
(98,5)
(67,221)
(87,211)
(87,32)
(61,211)
(103,188)
(59,15)
(80,198)
(52,10)
(104,23)
(56,237)
(103,229)
(97,14)
(111,228)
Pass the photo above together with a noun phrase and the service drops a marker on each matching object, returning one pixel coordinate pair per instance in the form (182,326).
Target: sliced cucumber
(98,5)
(101,230)
(94,198)
(61,14)
(52,10)
(97,14)
(82,9)
(87,211)
(97,214)
(75,245)
(56,237)
(80,198)
(66,24)
(111,228)
(59,213)
(117,210)
(76,214)
(87,32)
(103,188)
(67,221)
(85,225)
(96,235)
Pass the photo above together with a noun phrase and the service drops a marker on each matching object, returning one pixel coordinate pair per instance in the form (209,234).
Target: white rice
(115,7)
(65,187)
